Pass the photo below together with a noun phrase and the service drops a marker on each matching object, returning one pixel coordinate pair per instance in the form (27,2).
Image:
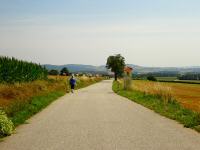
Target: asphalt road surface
(95,118)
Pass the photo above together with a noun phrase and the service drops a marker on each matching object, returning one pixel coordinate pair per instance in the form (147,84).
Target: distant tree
(116,63)
(151,78)
(53,72)
(64,71)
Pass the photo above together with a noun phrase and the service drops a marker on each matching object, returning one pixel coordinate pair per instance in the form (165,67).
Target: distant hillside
(138,69)
(79,68)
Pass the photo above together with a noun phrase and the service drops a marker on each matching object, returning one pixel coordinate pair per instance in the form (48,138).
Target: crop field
(175,80)
(187,94)
(13,95)
(188,81)
(166,78)
(13,70)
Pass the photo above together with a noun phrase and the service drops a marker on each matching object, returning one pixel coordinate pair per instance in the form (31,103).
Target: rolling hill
(139,69)
(79,68)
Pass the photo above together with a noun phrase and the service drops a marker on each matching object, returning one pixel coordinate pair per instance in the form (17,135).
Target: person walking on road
(72,83)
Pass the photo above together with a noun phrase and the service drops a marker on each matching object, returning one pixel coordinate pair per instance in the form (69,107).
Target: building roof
(128,69)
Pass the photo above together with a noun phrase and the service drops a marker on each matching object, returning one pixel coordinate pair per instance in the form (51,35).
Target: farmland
(13,70)
(166,78)
(15,97)
(187,94)
(172,100)
(175,80)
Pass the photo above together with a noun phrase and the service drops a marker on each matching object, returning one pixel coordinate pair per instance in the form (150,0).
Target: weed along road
(95,118)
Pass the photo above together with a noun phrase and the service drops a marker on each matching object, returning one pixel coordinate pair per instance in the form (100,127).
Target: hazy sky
(145,32)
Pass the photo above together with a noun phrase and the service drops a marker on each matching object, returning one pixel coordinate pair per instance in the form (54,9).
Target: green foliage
(151,78)
(13,70)
(64,71)
(6,125)
(172,109)
(53,72)
(116,64)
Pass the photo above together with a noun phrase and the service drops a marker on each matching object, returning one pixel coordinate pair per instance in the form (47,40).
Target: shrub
(151,78)
(6,125)
(64,71)
(53,72)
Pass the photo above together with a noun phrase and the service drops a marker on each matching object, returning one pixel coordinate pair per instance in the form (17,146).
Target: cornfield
(13,70)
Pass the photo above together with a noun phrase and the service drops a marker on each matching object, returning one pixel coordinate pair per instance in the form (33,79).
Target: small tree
(53,72)
(116,63)
(64,71)
(151,78)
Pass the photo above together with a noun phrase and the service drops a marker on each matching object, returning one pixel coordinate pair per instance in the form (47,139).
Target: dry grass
(21,101)
(154,88)
(187,94)
(23,91)
(82,78)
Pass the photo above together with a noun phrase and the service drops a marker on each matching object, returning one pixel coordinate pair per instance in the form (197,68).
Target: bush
(151,78)
(6,125)
(64,71)
(53,72)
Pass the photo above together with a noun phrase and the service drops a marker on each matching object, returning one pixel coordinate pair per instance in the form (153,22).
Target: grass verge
(172,109)
(36,104)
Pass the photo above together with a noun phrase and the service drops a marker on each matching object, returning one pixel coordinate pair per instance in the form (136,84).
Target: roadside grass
(171,109)
(36,104)
(24,100)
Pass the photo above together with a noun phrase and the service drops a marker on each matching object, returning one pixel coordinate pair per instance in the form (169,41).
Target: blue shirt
(72,81)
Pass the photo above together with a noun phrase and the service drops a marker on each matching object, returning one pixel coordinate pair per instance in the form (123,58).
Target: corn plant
(13,70)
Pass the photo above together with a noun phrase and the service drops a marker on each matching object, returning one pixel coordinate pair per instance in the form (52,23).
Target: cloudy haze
(145,32)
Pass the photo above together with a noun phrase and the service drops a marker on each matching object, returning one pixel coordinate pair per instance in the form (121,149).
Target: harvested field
(187,94)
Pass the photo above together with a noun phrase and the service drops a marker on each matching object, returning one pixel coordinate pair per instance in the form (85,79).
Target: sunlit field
(22,92)
(187,94)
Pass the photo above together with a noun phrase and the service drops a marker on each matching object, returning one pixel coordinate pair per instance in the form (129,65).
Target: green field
(175,80)
(166,78)
(189,81)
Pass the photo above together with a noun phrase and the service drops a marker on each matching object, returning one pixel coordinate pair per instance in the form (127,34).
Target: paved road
(94,118)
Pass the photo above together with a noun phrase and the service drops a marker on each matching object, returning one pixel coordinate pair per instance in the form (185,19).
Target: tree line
(190,76)
(63,71)
(13,70)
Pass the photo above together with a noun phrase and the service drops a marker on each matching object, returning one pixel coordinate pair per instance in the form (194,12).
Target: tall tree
(116,63)
(64,71)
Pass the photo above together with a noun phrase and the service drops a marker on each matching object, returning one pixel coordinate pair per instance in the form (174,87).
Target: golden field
(22,92)
(187,94)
